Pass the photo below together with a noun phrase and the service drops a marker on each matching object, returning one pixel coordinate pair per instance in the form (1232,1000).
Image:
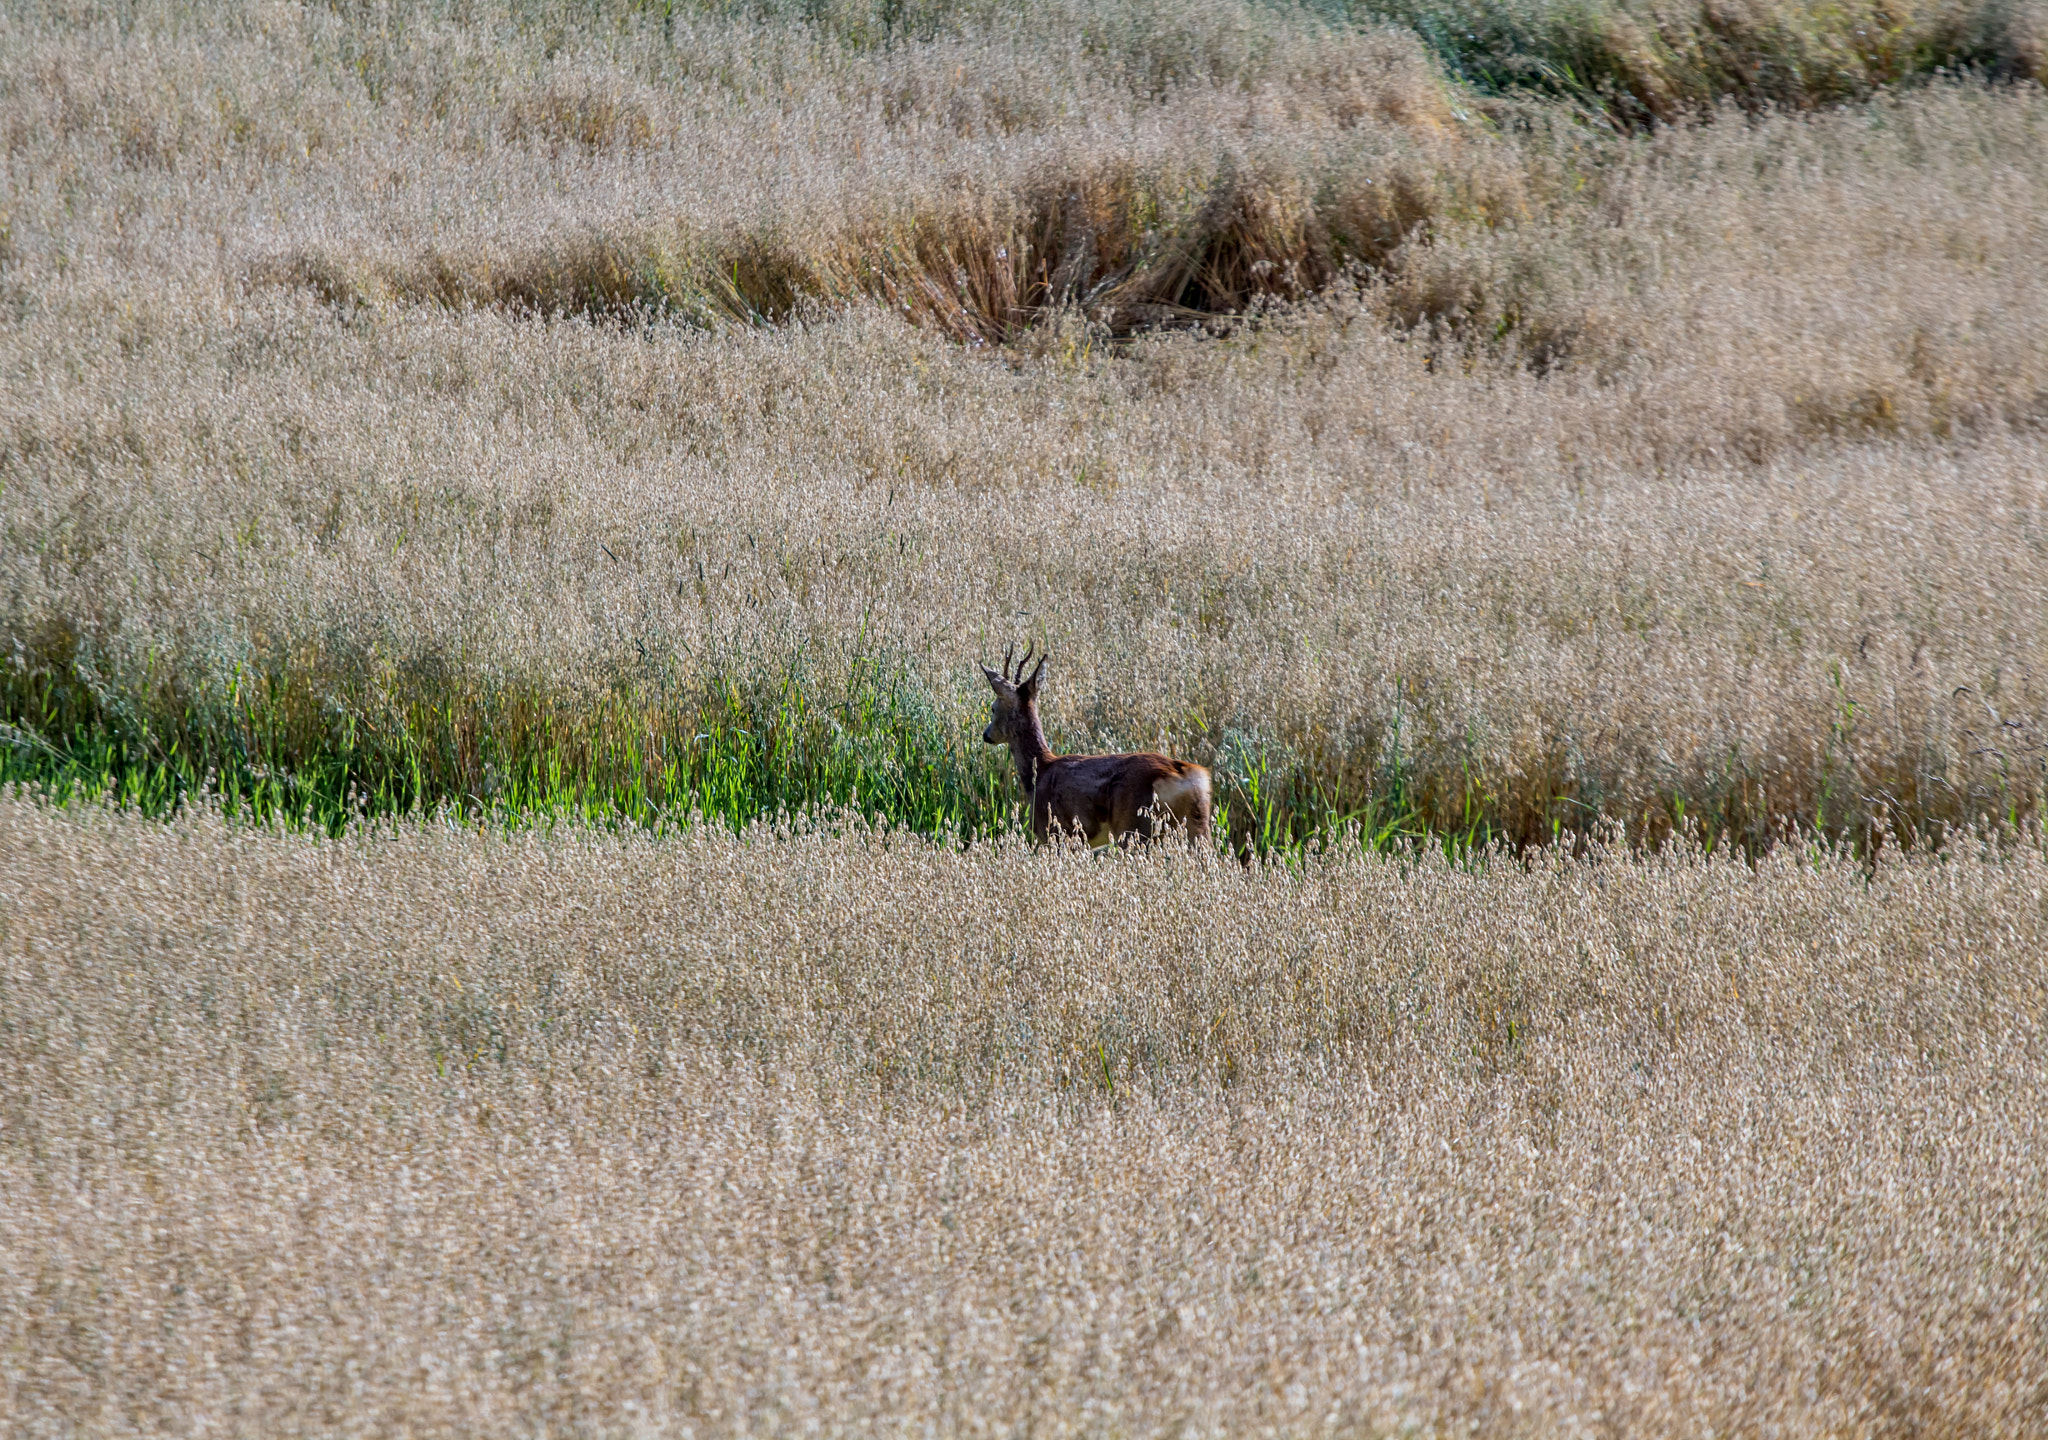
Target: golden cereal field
(507,922)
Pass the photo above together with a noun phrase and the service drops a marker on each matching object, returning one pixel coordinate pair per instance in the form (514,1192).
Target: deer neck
(1029,750)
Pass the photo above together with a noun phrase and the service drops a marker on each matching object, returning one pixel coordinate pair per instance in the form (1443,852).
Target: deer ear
(995,682)
(1029,688)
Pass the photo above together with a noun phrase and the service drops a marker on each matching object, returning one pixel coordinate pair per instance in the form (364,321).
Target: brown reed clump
(972,187)
(716,1135)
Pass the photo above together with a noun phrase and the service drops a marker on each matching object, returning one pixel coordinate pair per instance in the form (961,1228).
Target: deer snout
(990,735)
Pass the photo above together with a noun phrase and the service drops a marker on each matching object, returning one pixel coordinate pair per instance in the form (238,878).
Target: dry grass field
(507,924)
(438,1133)
(465,414)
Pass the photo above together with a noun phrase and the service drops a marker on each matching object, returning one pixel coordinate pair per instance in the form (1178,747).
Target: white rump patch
(1183,794)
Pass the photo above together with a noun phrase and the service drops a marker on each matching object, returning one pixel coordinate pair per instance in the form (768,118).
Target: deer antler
(1013,669)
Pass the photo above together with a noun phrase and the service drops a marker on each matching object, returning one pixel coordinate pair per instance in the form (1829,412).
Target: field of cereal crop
(600,1134)
(509,924)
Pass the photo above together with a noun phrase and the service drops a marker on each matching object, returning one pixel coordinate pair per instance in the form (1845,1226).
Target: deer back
(1104,798)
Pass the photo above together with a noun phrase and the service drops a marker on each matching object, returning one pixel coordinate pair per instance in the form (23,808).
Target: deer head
(1015,719)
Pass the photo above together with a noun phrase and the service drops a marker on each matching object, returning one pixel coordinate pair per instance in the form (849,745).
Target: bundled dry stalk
(729,1135)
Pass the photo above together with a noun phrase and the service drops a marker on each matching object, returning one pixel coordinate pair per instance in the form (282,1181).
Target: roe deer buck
(1102,798)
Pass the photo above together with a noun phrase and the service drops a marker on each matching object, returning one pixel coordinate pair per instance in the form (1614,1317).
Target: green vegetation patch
(1638,63)
(310,749)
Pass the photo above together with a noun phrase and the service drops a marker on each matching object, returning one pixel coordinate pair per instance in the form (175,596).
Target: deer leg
(1130,820)
(1099,830)
(1143,826)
